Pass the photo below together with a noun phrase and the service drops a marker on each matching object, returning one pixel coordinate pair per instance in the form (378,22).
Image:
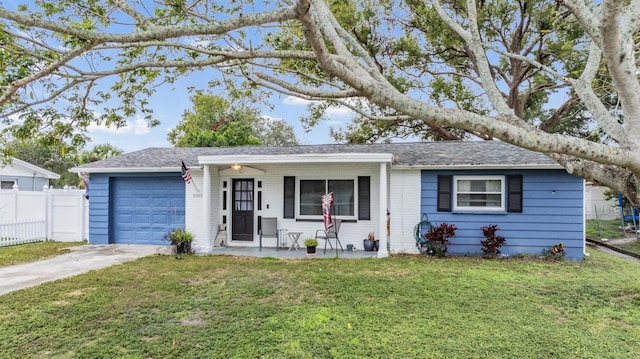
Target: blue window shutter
(289,197)
(514,193)
(364,197)
(445,185)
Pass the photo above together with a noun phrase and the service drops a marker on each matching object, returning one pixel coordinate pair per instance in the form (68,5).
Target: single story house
(24,175)
(381,188)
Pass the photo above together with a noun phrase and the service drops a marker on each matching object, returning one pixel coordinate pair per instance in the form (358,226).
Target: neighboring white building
(597,206)
(24,175)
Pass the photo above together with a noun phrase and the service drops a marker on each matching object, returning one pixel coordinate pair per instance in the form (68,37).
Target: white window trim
(326,181)
(502,207)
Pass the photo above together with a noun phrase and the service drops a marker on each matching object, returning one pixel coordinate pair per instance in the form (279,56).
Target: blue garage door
(145,209)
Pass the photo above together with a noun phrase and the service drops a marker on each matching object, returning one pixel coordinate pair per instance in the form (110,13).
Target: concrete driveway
(81,260)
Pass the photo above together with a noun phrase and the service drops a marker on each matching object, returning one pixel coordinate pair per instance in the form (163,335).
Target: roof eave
(541,166)
(298,158)
(125,169)
(45,173)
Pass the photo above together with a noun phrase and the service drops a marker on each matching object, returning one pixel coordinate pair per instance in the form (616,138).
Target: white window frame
(502,193)
(326,186)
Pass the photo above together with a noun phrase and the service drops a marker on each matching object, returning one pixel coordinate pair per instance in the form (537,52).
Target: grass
(401,307)
(24,253)
(633,246)
(608,229)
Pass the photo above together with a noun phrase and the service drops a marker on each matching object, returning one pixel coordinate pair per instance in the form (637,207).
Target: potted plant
(181,240)
(369,243)
(311,244)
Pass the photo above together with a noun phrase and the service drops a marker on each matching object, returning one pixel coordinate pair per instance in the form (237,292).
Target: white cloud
(339,111)
(140,127)
(136,127)
(295,101)
(331,111)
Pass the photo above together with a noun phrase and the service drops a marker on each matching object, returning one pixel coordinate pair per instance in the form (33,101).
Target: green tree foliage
(98,152)
(216,122)
(50,158)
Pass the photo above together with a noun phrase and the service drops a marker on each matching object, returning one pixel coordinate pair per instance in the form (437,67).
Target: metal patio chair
(269,229)
(330,234)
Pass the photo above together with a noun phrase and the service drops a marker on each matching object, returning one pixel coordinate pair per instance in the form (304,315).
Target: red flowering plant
(438,237)
(491,245)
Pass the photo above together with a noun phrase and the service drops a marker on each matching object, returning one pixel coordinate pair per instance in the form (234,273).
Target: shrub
(310,242)
(491,245)
(438,237)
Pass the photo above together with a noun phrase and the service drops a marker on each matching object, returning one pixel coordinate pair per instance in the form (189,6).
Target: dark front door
(242,210)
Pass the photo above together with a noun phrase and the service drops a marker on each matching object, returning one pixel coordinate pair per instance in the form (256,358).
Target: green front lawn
(24,253)
(403,307)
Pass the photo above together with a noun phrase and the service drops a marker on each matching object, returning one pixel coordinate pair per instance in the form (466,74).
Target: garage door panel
(142,202)
(125,218)
(145,209)
(174,203)
(126,202)
(160,202)
(142,218)
(161,218)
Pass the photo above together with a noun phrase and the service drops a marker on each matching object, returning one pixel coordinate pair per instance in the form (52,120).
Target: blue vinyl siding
(99,208)
(552,213)
(153,203)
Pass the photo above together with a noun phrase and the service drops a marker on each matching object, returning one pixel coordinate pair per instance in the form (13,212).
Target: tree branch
(159,32)
(621,61)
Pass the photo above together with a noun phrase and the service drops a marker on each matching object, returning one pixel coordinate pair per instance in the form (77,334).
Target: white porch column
(206,210)
(382,216)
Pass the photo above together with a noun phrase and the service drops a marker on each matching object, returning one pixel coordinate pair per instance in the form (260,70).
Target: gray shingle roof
(418,154)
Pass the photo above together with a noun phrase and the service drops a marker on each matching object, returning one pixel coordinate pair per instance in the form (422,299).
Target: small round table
(294,236)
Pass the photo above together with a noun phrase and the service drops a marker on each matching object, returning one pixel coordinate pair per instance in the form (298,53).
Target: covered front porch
(238,191)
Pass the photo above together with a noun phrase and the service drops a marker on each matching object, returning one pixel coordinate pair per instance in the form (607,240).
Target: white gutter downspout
(584,219)
(382,216)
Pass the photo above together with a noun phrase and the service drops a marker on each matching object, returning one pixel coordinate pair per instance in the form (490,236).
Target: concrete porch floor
(285,253)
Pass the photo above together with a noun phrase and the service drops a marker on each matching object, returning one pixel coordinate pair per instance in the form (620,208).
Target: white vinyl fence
(28,216)
(22,231)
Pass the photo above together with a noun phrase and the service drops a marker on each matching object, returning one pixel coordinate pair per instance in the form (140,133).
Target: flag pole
(186,175)
(194,185)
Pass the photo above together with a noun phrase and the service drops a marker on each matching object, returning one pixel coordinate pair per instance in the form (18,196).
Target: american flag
(186,176)
(327,202)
